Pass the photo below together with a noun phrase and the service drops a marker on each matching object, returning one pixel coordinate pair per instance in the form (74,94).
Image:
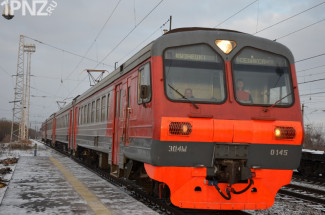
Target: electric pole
(29,49)
(17,111)
(20,111)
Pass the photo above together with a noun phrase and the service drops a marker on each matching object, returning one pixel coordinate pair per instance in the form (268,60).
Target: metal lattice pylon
(18,109)
(21,101)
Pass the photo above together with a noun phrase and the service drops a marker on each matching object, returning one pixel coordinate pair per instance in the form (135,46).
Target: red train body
(214,149)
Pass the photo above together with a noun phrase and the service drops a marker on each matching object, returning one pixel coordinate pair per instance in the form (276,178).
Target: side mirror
(144,91)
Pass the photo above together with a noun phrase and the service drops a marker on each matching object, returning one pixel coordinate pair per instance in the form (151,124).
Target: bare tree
(314,137)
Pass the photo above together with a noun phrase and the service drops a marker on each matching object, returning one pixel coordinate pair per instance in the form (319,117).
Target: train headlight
(180,128)
(226,46)
(277,132)
(284,133)
(184,128)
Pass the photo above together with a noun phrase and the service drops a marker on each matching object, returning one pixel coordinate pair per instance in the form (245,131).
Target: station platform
(50,183)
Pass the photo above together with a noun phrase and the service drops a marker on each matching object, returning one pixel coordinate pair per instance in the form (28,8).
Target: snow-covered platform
(52,184)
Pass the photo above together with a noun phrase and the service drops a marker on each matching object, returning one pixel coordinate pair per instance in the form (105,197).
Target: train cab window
(144,84)
(262,78)
(194,73)
(103,108)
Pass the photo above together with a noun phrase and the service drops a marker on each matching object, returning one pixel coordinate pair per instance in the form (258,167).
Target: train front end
(228,124)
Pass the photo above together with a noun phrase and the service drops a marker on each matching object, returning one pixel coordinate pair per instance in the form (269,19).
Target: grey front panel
(274,156)
(196,154)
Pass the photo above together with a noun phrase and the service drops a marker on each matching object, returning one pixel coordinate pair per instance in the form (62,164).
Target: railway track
(309,180)
(314,198)
(136,192)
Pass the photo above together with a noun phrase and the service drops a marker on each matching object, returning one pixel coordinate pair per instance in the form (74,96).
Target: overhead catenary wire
(316,67)
(95,40)
(66,51)
(305,82)
(5,71)
(312,74)
(299,30)
(290,17)
(236,13)
(52,78)
(128,34)
(308,58)
(109,53)
(155,31)
(309,94)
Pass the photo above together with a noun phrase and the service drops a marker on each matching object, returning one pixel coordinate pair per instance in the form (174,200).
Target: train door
(53,130)
(128,111)
(117,132)
(75,127)
(45,130)
(70,129)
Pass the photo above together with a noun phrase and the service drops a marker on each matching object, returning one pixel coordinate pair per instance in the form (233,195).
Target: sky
(79,35)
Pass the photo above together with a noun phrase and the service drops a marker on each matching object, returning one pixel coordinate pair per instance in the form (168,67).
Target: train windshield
(262,78)
(194,74)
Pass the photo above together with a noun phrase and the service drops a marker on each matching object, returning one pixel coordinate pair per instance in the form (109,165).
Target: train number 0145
(279,152)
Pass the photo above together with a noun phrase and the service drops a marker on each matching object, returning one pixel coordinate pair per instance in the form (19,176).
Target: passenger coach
(208,118)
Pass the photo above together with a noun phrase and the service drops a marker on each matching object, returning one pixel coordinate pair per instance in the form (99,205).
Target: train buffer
(53,184)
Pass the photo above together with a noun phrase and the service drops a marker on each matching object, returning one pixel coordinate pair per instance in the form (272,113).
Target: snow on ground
(314,151)
(6,177)
(289,206)
(38,187)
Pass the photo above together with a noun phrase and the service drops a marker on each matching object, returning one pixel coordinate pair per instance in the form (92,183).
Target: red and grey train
(208,118)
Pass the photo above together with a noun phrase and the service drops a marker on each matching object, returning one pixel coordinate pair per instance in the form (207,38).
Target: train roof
(190,36)
(183,37)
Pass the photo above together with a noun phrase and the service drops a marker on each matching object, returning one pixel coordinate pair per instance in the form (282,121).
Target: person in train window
(241,94)
(188,93)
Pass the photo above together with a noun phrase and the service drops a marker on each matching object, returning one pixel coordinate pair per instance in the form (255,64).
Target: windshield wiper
(275,103)
(184,97)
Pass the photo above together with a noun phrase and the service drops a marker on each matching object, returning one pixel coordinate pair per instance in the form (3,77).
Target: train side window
(85,115)
(108,106)
(103,108)
(88,113)
(97,110)
(93,112)
(144,84)
(81,113)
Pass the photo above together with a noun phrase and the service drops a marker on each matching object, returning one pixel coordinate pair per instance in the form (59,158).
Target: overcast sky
(73,27)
